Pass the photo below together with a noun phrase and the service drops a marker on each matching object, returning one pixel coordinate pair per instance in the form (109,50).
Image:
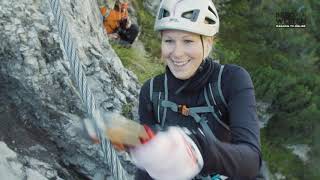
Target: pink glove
(170,155)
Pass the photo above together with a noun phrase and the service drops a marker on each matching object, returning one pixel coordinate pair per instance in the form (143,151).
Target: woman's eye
(168,41)
(188,41)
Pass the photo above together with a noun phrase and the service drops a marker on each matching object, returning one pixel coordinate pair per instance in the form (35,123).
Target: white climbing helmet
(198,16)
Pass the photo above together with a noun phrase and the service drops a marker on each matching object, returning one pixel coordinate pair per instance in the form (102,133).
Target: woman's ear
(209,44)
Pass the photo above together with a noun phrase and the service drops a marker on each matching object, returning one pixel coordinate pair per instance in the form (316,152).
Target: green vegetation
(142,66)
(150,39)
(146,65)
(287,163)
(284,64)
(127,110)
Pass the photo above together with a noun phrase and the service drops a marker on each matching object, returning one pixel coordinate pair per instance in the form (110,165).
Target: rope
(110,156)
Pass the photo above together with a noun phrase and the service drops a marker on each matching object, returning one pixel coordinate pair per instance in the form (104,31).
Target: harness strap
(158,107)
(212,112)
(165,98)
(174,107)
(197,118)
(160,86)
(193,111)
(215,177)
(214,101)
(151,88)
(168,104)
(219,87)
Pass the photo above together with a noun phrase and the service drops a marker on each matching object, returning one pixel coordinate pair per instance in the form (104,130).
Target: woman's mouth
(180,63)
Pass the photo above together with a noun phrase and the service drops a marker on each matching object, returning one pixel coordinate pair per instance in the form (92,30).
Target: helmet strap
(201,38)
(203,58)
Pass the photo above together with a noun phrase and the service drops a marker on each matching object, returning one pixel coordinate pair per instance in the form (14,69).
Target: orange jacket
(111,21)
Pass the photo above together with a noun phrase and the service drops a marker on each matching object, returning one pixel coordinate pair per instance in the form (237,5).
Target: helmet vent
(163,13)
(191,15)
(209,21)
(211,10)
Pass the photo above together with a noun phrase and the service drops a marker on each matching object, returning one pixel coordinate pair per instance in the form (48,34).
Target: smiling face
(183,52)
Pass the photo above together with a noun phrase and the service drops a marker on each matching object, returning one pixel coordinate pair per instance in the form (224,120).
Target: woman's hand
(169,155)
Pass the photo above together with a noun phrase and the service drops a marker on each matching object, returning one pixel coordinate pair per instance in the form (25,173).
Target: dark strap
(216,92)
(213,112)
(158,87)
(218,107)
(166,99)
(214,100)
(219,87)
(214,97)
(193,111)
(155,97)
(151,88)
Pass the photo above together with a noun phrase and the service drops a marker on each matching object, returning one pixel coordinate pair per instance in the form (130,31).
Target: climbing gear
(110,155)
(199,17)
(212,92)
(183,109)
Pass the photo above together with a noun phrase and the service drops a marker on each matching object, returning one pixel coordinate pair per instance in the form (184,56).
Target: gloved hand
(89,127)
(121,131)
(169,155)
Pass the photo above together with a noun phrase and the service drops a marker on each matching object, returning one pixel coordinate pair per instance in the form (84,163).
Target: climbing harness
(86,95)
(159,98)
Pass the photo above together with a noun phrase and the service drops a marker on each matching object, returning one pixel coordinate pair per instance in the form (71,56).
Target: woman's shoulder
(234,78)
(154,81)
(233,71)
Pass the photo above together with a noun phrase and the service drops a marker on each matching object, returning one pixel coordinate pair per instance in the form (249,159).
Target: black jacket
(237,153)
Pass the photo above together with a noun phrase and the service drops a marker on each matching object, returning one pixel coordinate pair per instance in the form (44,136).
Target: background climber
(118,25)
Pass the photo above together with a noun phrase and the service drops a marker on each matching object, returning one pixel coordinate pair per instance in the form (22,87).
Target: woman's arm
(241,157)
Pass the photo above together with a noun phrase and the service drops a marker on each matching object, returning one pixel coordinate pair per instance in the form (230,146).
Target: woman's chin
(181,75)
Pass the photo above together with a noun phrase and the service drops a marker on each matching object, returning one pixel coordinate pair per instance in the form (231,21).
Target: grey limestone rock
(40,110)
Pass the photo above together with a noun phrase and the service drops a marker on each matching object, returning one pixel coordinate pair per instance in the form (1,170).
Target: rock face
(152,6)
(263,114)
(40,110)
(13,166)
(300,150)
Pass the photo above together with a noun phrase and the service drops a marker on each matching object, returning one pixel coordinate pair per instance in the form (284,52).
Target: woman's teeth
(180,63)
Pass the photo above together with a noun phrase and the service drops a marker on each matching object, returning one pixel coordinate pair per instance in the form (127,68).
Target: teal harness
(160,102)
(215,104)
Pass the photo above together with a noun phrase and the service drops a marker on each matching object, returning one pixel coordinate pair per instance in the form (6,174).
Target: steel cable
(86,95)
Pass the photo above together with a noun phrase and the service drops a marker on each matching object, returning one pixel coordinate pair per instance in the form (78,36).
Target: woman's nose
(178,50)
